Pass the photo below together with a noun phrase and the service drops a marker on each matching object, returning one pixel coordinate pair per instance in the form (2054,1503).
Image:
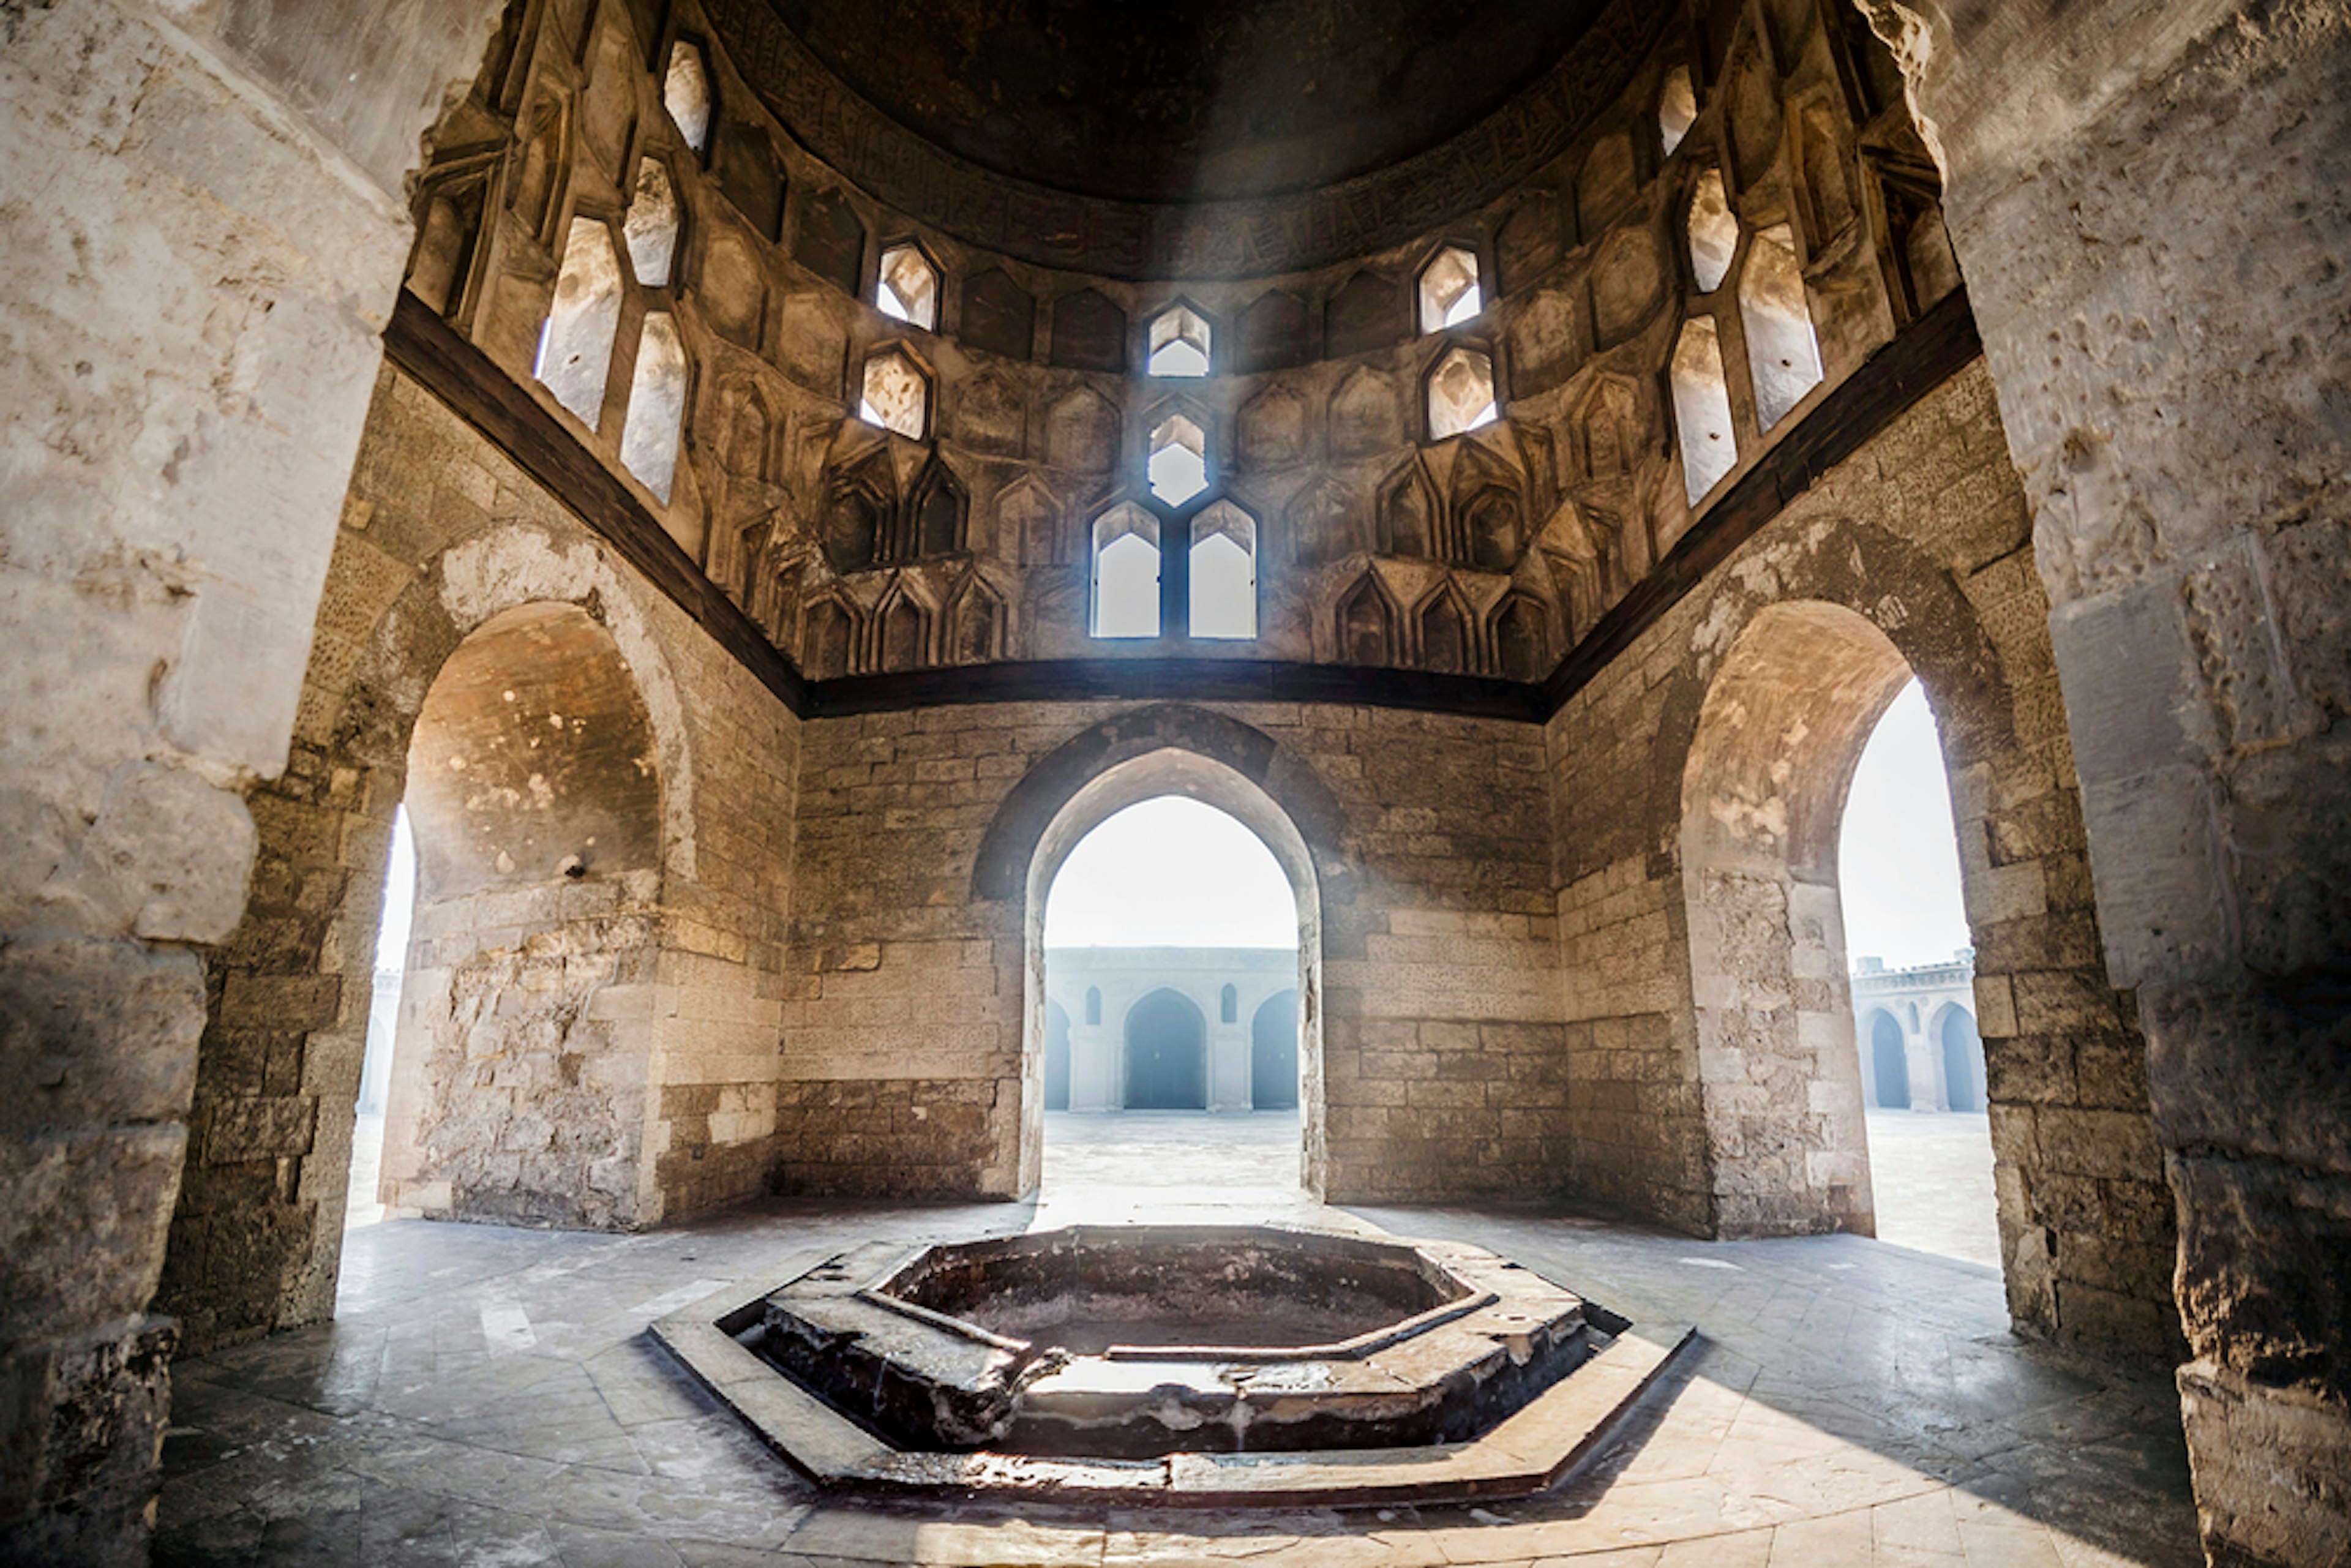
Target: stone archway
(1780,730)
(246,1254)
(1170,749)
(1756,742)
(537,807)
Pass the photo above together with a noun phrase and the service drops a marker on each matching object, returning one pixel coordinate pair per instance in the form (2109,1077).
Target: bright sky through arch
(1897,854)
(1171,873)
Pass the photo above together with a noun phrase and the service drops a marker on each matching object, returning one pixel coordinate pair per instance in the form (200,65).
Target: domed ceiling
(1187,100)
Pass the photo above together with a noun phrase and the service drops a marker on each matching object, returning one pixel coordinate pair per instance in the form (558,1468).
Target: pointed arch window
(908,288)
(685,93)
(897,395)
(649,440)
(650,227)
(1127,573)
(575,343)
(1178,344)
(1713,232)
(1449,294)
(1677,108)
(1784,353)
(1178,464)
(1461,393)
(1223,573)
(1702,409)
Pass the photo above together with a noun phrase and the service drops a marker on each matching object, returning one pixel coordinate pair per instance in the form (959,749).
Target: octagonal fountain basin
(1195,1364)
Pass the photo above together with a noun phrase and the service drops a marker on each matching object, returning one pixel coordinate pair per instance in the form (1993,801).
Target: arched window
(1713,232)
(1127,573)
(1782,353)
(1702,409)
(575,345)
(1677,108)
(650,227)
(1461,393)
(908,287)
(1449,294)
(1178,344)
(1179,464)
(1093,1004)
(1224,572)
(685,93)
(656,405)
(1229,1005)
(897,395)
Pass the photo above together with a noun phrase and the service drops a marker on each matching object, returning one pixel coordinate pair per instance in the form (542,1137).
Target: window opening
(1713,232)
(1461,393)
(650,227)
(908,287)
(1178,344)
(1178,464)
(575,344)
(1920,1054)
(1449,289)
(896,397)
(1224,573)
(1702,409)
(685,93)
(1783,354)
(1127,573)
(1677,108)
(1189,1003)
(649,440)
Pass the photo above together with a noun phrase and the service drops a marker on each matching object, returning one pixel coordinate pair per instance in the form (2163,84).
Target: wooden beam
(479,392)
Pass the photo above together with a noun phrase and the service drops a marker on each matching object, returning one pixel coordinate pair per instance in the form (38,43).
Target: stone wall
(205,236)
(2152,204)
(590,1049)
(906,1062)
(1917,547)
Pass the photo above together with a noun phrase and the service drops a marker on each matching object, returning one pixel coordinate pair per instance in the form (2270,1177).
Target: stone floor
(489,1396)
(1930,1174)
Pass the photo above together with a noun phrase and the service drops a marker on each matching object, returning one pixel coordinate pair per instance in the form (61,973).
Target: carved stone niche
(1270,335)
(1367,313)
(1089,333)
(830,239)
(999,316)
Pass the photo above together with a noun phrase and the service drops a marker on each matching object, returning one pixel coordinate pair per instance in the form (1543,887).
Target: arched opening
(1930,1155)
(515,1091)
(1889,1060)
(1273,1054)
(1779,732)
(1167,1054)
(1963,1063)
(1057,1053)
(1797,837)
(1170,900)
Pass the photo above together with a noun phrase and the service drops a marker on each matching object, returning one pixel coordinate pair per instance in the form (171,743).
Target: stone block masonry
(905,1064)
(596,981)
(1700,945)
